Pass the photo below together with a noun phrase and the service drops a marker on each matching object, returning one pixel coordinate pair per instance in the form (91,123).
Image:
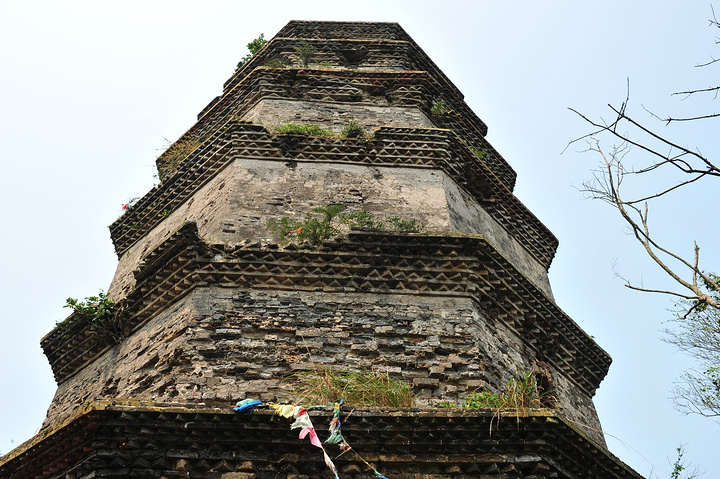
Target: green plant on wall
(284,226)
(253,47)
(324,222)
(479,154)
(361,218)
(403,225)
(277,61)
(521,393)
(352,130)
(438,109)
(320,227)
(302,129)
(315,228)
(305,52)
(97,311)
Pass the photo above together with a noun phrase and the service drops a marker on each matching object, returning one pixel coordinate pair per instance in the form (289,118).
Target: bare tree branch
(697,322)
(606,186)
(678,160)
(692,118)
(690,397)
(712,60)
(663,192)
(700,90)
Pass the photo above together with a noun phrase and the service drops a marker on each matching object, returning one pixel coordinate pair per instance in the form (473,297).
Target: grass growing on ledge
(175,156)
(301,129)
(479,154)
(366,388)
(324,222)
(401,225)
(521,394)
(277,61)
(352,129)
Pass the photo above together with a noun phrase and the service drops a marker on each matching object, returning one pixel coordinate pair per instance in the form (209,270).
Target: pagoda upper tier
(372,74)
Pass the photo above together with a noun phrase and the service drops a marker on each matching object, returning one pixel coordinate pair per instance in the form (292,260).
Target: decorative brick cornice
(368,54)
(366,262)
(312,29)
(381,56)
(125,438)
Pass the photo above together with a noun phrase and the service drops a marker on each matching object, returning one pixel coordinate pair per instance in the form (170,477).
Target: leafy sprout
(253,47)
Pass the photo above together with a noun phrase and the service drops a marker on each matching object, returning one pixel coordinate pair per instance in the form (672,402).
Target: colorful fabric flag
(314,440)
(246,404)
(302,422)
(336,436)
(284,410)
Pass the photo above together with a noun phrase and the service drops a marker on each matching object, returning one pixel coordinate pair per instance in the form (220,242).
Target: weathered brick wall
(221,344)
(334,116)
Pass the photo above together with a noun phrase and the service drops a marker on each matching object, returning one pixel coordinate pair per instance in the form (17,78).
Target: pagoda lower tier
(211,323)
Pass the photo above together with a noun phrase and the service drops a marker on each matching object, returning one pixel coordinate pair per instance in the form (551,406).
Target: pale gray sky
(88,91)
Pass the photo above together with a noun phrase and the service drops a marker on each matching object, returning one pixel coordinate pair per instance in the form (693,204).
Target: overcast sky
(90,90)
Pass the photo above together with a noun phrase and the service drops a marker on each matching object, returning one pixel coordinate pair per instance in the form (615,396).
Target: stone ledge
(117,438)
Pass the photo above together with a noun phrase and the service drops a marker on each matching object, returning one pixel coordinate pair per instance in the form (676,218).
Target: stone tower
(212,304)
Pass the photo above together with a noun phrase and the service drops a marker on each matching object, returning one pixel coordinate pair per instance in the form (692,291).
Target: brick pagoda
(212,305)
